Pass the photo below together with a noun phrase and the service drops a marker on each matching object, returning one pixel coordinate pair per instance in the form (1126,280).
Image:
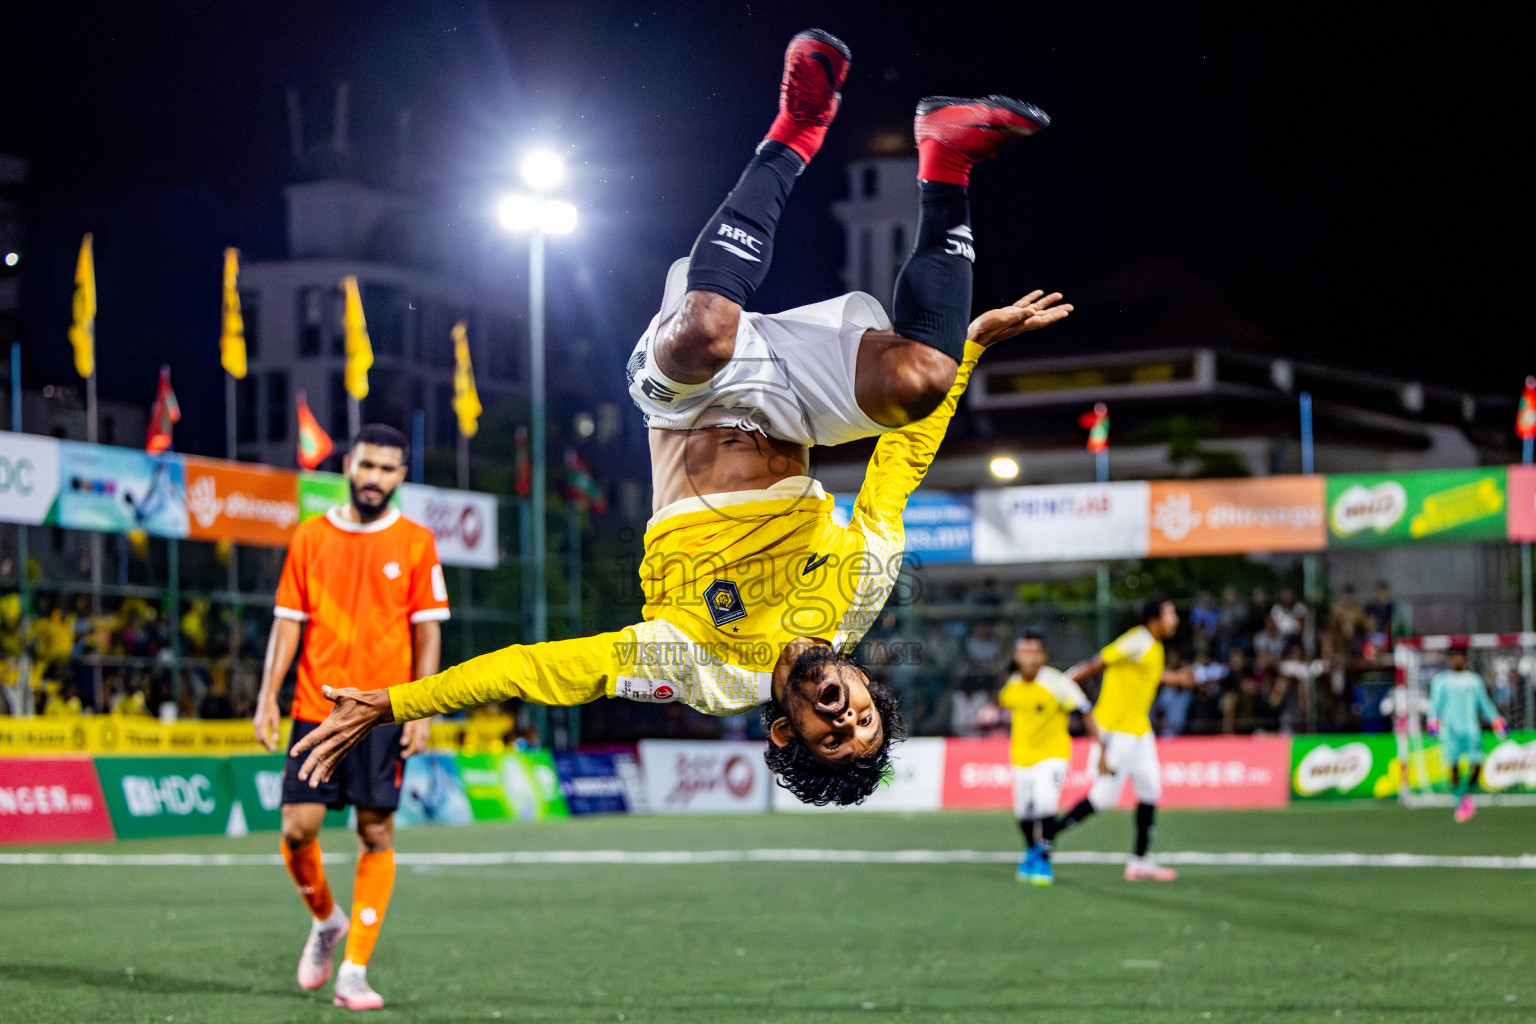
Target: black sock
(732,253)
(933,292)
(1029,827)
(1072,817)
(1473,774)
(1144,815)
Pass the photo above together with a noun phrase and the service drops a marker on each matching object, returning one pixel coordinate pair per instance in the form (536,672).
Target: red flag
(163,417)
(314,443)
(522,464)
(581,486)
(1096,422)
(1525,419)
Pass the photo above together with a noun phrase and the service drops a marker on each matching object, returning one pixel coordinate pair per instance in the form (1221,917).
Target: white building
(293,320)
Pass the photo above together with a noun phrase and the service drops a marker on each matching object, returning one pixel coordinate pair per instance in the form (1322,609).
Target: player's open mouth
(831,697)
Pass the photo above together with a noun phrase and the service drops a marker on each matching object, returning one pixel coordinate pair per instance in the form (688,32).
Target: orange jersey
(358,588)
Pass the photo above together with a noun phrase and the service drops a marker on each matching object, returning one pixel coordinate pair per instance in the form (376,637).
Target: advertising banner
(1510,763)
(463,522)
(516,785)
(29,479)
(1223,517)
(114,734)
(1345,767)
(51,800)
(245,504)
(167,796)
(704,777)
(432,792)
(1522,503)
(117,490)
(1373,510)
(607,783)
(937,524)
(1060,523)
(258,785)
(917,784)
(321,492)
(1197,771)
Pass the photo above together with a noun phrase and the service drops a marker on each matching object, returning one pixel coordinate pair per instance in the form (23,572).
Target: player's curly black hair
(814,782)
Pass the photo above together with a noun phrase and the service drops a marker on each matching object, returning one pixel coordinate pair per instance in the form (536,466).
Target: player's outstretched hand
(415,737)
(1433,726)
(1032,312)
(356,712)
(1500,728)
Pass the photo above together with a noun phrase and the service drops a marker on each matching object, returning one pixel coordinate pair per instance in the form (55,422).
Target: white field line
(1524,862)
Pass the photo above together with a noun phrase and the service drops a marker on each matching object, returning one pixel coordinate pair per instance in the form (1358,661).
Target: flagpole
(354,417)
(232,581)
(1527,605)
(95,542)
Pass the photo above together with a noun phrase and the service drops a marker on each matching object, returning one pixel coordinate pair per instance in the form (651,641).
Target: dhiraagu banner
(1377,510)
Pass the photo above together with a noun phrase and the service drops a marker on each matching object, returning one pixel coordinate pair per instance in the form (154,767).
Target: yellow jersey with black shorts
(729,579)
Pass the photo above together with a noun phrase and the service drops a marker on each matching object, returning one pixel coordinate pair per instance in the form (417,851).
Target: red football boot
(815,68)
(954,133)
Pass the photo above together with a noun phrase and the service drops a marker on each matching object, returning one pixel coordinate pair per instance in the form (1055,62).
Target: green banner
(320,492)
(514,785)
(1377,510)
(1509,765)
(1345,767)
(258,783)
(167,796)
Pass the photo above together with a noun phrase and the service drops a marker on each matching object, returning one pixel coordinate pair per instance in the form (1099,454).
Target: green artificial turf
(802,942)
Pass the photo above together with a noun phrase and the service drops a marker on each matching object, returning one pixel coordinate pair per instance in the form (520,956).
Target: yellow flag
(466,400)
(359,348)
(232,338)
(82,329)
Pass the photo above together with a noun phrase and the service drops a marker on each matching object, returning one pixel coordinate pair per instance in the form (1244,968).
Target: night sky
(1344,178)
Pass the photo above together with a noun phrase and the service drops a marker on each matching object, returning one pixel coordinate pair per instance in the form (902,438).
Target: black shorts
(369,774)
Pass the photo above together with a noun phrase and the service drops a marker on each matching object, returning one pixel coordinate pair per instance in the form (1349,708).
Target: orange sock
(309,875)
(370,898)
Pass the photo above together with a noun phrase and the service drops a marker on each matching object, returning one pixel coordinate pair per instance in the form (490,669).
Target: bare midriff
(717,460)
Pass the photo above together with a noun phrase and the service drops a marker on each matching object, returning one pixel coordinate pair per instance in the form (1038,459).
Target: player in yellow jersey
(751,589)
(1133,670)
(1040,700)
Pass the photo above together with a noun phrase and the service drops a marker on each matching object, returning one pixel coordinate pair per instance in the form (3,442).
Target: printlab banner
(29,479)
(119,490)
(1374,510)
(705,777)
(1060,523)
(51,800)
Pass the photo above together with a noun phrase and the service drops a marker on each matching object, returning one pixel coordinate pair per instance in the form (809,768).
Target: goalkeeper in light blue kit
(1458,703)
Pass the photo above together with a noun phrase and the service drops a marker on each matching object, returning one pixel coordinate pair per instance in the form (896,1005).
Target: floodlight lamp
(1004,468)
(518,213)
(542,170)
(557,218)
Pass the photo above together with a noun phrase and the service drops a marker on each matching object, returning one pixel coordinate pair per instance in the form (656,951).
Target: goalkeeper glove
(1433,725)
(1499,728)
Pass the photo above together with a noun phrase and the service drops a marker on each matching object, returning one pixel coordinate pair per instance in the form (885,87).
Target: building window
(313,323)
(871,182)
(500,348)
(446,421)
(245,410)
(250,312)
(386,310)
(339,396)
(277,406)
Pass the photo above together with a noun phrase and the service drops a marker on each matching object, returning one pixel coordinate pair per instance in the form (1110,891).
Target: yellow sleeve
(1132,645)
(902,457)
(562,673)
(1008,696)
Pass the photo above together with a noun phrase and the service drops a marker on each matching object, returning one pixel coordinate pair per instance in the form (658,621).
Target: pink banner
(51,800)
(1198,771)
(1522,503)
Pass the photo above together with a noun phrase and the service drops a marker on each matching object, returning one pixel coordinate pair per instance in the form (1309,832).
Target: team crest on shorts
(724,602)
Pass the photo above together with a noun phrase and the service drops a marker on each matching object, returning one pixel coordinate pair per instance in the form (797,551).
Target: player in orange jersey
(363,586)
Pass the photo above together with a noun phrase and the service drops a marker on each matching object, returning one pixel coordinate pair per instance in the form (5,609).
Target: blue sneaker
(1025,872)
(1043,873)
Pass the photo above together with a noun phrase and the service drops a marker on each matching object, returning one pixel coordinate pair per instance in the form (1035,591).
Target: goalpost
(1507,663)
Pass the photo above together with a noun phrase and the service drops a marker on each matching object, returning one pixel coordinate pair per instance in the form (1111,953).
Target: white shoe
(1140,869)
(319,956)
(353,991)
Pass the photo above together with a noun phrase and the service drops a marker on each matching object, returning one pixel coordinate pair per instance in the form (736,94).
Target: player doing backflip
(751,590)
